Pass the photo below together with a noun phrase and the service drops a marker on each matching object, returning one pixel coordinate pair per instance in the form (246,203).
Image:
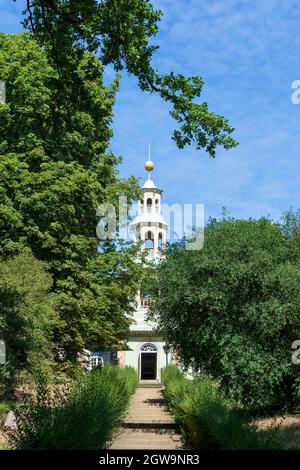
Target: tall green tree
(121,32)
(55,169)
(232,309)
(27,317)
(55,166)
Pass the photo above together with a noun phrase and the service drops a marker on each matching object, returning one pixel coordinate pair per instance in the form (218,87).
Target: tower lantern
(149,226)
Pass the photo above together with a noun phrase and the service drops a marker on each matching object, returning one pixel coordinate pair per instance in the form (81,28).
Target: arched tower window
(142,205)
(159,244)
(149,241)
(149,204)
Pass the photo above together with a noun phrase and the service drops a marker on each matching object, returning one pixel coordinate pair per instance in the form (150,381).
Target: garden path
(148,424)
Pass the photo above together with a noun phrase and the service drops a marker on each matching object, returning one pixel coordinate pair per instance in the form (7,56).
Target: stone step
(134,431)
(149,386)
(142,412)
(148,423)
(149,418)
(139,434)
(146,446)
(141,440)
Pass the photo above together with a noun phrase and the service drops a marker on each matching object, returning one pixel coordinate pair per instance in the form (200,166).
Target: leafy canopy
(121,33)
(232,308)
(55,169)
(27,315)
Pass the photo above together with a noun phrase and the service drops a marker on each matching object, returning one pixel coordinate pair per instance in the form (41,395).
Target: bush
(27,319)
(4,409)
(82,416)
(222,306)
(171,373)
(207,418)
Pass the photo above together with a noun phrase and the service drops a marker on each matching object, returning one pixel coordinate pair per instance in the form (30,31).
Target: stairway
(148,424)
(149,384)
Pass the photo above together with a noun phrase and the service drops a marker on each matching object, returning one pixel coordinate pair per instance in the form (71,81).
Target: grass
(208,420)
(83,417)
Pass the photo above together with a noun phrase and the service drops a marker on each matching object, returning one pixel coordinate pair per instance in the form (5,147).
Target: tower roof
(149,184)
(149,217)
(152,216)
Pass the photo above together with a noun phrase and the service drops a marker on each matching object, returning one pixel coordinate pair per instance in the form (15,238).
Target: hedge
(208,420)
(83,417)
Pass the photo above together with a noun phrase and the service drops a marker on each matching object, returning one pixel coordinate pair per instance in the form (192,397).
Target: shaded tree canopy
(27,316)
(55,162)
(121,33)
(232,308)
(55,169)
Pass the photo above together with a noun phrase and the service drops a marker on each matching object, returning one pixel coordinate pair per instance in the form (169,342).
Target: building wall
(122,358)
(136,342)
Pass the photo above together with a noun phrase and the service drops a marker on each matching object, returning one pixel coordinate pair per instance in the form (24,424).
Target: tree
(291,223)
(55,163)
(120,33)
(55,169)
(232,309)
(27,316)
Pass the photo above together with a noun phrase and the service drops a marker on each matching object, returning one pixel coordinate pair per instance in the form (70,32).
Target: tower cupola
(149,226)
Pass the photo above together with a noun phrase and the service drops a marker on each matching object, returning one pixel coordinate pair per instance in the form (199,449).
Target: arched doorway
(148,362)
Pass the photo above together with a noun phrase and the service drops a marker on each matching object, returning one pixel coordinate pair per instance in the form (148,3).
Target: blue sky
(247,53)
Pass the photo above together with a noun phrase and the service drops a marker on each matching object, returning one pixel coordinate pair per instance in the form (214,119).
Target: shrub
(82,416)
(27,319)
(234,296)
(208,420)
(171,373)
(4,409)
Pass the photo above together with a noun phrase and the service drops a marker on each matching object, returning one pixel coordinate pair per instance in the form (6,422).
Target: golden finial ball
(149,165)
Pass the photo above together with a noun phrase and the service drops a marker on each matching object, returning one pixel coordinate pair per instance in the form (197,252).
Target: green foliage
(208,420)
(54,171)
(4,409)
(232,309)
(291,223)
(121,33)
(83,417)
(27,317)
(171,373)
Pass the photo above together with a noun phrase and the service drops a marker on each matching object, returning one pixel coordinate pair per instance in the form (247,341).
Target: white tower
(149,226)
(146,350)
